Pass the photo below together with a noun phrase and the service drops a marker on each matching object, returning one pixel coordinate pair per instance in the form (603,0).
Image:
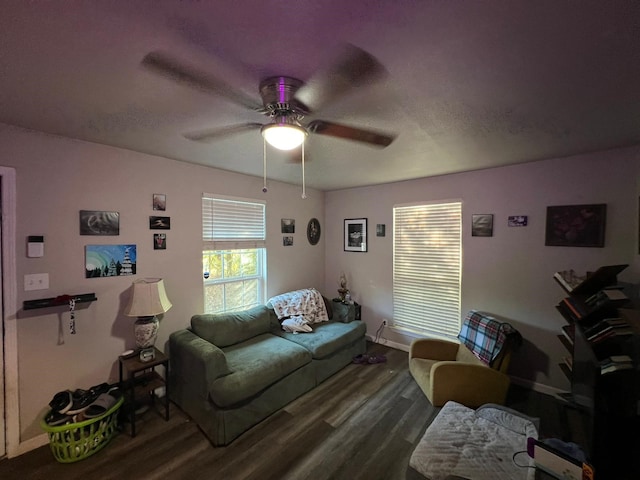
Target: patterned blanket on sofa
(306,303)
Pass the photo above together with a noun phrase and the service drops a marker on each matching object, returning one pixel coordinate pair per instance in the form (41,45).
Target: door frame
(9,313)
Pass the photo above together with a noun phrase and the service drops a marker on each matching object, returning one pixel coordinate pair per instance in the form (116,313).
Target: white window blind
(231,223)
(427,257)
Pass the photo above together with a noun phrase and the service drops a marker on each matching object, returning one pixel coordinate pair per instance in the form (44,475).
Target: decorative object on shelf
(380,230)
(159,223)
(343,291)
(576,225)
(148,299)
(355,235)
(159,202)
(94,222)
(109,260)
(313,231)
(288,225)
(517,221)
(147,354)
(159,241)
(482,225)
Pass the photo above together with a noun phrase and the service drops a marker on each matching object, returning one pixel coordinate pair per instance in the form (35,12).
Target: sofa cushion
(327,338)
(256,364)
(224,329)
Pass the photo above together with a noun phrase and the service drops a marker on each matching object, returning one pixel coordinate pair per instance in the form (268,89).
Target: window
(427,257)
(233,253)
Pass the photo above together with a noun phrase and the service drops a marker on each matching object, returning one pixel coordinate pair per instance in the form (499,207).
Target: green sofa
(231,371)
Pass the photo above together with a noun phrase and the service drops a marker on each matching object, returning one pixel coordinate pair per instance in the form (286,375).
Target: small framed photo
(159,241)
(482,225)
(355,235)
(288,225)
(576,225)
(287,241)
(159,202)
(160,223)
(380,230)
(518,221)
(95,222)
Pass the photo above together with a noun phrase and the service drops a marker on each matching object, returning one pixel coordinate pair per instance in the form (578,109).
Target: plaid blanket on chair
(484,335)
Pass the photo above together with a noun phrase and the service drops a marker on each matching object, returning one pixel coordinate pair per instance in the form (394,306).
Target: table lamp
(149,299)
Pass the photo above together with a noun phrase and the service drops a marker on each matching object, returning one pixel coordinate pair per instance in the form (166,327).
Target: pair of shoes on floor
(68,406)
(365,359)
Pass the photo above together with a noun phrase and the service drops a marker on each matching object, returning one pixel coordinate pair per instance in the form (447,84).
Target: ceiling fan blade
(378,139)
(353,68)
(172,68)
(219,133)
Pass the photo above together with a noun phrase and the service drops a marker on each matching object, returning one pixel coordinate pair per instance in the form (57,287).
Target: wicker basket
(76,441)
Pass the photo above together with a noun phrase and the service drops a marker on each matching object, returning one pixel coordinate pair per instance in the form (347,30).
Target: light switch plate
(36,281)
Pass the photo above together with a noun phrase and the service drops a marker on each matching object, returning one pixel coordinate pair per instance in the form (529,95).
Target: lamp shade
(284,136)
(149,298)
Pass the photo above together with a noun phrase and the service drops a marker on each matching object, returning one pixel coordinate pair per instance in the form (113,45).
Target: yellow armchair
(446,370)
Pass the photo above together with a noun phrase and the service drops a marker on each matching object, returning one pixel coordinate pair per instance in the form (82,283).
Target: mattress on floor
(476,444)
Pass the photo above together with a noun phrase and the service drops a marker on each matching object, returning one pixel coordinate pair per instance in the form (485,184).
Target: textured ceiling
(470,85)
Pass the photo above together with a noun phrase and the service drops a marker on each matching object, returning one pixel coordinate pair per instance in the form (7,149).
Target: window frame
(427,294)
(234,237)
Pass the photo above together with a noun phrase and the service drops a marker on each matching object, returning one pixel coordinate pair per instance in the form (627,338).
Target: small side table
(138,380)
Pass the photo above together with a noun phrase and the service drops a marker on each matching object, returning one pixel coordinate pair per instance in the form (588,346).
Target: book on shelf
(617,324)
(606,296)
(615,363)
(575,310)
(569,279)
(588,284)
(609,334)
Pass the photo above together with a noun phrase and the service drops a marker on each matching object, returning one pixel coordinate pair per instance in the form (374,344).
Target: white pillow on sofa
(296,324)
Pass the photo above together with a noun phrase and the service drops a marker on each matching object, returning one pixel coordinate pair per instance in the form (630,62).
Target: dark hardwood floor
(362,423)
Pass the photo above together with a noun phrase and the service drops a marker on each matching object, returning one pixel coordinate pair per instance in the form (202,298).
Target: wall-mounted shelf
(58,301)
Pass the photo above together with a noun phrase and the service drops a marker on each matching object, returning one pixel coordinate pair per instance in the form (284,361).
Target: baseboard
(535,386)
(388,343)
(28,445)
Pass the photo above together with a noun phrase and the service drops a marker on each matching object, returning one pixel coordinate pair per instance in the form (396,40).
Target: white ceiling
(471,84)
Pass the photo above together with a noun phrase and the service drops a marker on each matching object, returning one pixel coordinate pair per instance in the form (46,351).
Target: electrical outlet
(36,281)
(384,322)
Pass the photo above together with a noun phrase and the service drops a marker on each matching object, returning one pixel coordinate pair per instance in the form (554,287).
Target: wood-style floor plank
(362,423)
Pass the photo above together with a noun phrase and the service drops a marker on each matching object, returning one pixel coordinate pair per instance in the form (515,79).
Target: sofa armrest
(195,360)
(466,383)
(433,349)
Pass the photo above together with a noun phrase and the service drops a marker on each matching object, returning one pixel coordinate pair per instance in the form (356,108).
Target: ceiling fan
(286,100)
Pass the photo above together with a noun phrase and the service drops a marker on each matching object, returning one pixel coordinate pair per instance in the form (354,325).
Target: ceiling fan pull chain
(264,166)
(304,192)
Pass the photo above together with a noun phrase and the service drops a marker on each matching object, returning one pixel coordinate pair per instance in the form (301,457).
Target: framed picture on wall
(576,225)
(96,222)
(482,225)
(355,235)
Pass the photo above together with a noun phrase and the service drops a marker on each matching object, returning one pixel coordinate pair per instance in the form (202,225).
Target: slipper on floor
(379,358)
(361,359)
(100,406)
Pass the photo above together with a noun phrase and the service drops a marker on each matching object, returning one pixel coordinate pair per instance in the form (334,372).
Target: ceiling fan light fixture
(284,135)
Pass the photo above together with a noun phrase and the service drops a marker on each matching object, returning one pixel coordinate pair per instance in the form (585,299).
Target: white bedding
(476,444)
